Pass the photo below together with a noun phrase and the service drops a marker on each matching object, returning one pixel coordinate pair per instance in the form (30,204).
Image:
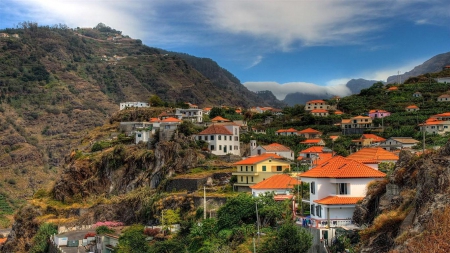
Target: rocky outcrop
(400,208)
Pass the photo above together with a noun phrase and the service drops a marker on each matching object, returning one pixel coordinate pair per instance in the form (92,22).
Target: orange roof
(393,88)
(315,101)
(216,129)
(276,147)
(319,111)
(171,119)
(435,122)
(334,137)
(2,240)
(341,167)
(444,96)
(309,131)
(412,107)
(375,111)
(163,114)
(346,121)
(337,112)
(281,197)
(286,130)
(361,117)
(376,154)
(281,181)
(153,120)
(258,159)
(218,118)
(337,200)
(207,109)
(375,138)
(441,115)
(311,141)
(313,149)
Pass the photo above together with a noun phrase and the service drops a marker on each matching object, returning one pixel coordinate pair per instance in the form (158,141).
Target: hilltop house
(309,133)
(335,188)
(398,143)
(168,127)
(417,94)
(392,88)
(314,155)
(255,169)
(313,142)
(437,124)
(132,104)
(356,125)
(368,140)
(207,110)
(338,112)
(273,148)
(287,132)
(320,112)
(219,119)
(194,115)
(316,104)
(222,139)
(444,98)
(281,184)
(378,114)
(443,80)
(373,156)
(412,108)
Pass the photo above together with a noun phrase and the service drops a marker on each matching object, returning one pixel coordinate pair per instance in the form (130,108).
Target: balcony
(245,173)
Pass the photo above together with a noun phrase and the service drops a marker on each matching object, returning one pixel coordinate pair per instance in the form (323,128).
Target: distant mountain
(356,85)
(434,64)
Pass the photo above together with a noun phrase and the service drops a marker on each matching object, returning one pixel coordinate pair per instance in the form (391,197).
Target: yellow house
(255,169)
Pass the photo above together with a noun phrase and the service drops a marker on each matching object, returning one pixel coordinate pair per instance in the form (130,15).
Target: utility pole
(204,202)
(423,136)
(257,220)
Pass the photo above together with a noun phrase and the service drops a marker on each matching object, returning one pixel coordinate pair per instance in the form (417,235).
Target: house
(207,110)
(219,119)
(393,88)
(368,140)
(309,133)
(378,114)
(314,155)
(356,125)
(338,112)
(333,137)
(133,104)
(316,104)
(281,184)
(257,130)
(222,139)
(398,143)
(412,108)
(444,98)
(313,142)
(417,94)
(194,115)
(273,148)
(320,112)
(192,106)
(443,80)
(4,35)
(168,127)
(287,132)
(437,124)
(373,156)
(335,187)
(255,169)
(108,243)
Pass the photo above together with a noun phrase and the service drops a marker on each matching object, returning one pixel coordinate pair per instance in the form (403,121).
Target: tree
(156,101)
(42,237)
(170,217)
(169,246)
(236,211)
(288,239)
(216,111)
(132,240)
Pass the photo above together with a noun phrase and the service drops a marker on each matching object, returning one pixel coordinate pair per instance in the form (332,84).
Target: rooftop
(281,181)
(377,154)
(216,129)
(287,130)
(258,159)
(274,147)
(337,200)
(309,131)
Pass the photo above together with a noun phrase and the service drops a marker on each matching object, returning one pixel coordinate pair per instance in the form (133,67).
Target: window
(220,147)
(242,179)
(212,147)
(206,137)
(246,168)
(199,137)
(252,179)
(318,211)
(313,188)
(231,147)
(242,168)
(259,151)
(236,138)
(212,137)
(264,167)
(342,188)
(313,209)
(251,168)
(230,137)
(139,135)
(279,168)
(236,148)
(219,137)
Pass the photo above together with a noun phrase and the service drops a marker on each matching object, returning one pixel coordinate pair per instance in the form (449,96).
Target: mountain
(434,64)
(356,85)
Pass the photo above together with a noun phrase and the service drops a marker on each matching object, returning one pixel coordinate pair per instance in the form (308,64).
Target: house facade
(222,139)
(412,108)
(437,124)
(314,155)
(281,184)
(356,125)
(133,105)
(444,98)
(309,133)
(417,94)
(287,132)
(320,112)
(443,80)
(335,188)
(194,115)
(273,148)
(255,169)
(367,140)
(398,143)
(168,127)
(378,114)
(316,104)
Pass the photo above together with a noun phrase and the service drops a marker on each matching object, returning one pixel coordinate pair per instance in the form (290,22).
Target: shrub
(90,234)
(103,230)
(152,231)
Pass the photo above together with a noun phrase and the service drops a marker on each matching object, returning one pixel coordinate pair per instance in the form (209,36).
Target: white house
(443,80)
(167,128)
(282,184)
(437,124)
(444,98)
(398,143)
(309,133)
(286,132)
(335,188)
(133,104)
(316,104)
(222,139)
(194,115)
(273,148)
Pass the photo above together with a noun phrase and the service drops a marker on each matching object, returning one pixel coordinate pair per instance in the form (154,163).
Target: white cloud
(257,61)
(384,73)
(281,90)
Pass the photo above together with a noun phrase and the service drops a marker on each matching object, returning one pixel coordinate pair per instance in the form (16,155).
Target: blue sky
(284,46)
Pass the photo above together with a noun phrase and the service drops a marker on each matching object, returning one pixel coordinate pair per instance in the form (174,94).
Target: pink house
(378,114)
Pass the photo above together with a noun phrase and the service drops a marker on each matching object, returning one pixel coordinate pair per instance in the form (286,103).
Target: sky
(308,46)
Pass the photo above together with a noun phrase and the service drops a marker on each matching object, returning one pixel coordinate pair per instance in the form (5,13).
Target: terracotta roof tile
(375,138)
(313,149)
(281,197)
(377,153)
(341,167)
(276,147)
(170,119)
(311,141)
(412,107)
(337,200)
(258,159)
(216,129)
(309,131)
(405,140)
(319,111)
(338,112)
(286,130)
(281,181)
(315,101)
(3,240)
(218,118)
(444,96)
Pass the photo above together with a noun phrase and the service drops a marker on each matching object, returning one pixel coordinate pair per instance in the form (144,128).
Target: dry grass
(384,222)
(377,187)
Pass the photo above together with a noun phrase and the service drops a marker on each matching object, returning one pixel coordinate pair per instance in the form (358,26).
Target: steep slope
(356,85)
(434,64)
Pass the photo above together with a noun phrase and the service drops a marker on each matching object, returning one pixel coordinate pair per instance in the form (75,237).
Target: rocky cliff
(409,211)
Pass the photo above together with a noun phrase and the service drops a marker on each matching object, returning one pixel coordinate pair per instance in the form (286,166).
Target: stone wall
(189,184)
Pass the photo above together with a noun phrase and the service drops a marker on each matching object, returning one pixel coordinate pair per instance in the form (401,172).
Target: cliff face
(401,212)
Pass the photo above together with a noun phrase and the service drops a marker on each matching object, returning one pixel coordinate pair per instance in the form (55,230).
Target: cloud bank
(281,90)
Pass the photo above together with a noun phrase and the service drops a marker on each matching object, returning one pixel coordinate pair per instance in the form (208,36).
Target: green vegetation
(132,240)
(103,230)
(41,239)
(289,239)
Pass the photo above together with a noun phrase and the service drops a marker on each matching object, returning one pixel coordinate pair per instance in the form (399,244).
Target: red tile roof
(309,131)
(375,111)
(341,167)
(258,159)
(444,96)
(216,129)
(274,147)
(2,240)
(377,154)
(412,107)
(313,149)
(218,118)
(374,137)
(170,119)
(393,88)
(311,141)
(281,197)
(337,200)
(286,130)
(281,181)
(319,111)
(154,120)
(315,101)
(163,114)
(338,112)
